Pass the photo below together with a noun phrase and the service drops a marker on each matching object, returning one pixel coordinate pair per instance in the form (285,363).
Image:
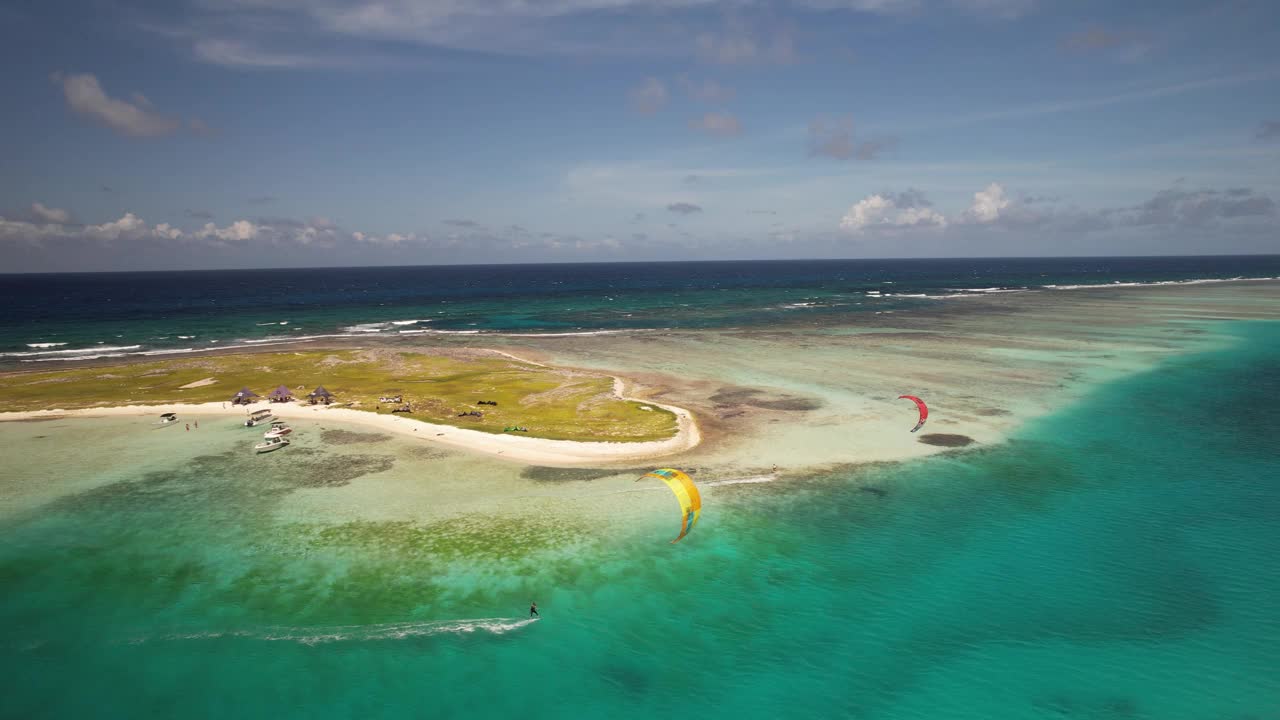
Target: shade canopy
(320,392)
(281,391)
(244,393)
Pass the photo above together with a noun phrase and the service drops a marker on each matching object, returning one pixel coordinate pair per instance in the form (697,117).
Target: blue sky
(243,133)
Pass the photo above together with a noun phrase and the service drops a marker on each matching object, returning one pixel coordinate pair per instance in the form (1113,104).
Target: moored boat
(278,429)
(167,419)
(257,417)
(272,444)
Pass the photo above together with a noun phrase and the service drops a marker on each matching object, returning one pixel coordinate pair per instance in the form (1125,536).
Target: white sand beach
(532,450)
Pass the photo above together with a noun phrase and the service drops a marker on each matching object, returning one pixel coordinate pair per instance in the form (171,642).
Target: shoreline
(527,450)
(793,396)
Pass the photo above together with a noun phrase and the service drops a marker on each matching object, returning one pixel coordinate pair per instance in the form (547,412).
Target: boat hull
(268,447)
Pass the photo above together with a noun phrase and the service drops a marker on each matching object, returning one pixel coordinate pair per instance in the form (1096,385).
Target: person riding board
(533,610)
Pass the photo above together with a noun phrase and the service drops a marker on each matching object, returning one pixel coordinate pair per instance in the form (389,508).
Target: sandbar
(530,450)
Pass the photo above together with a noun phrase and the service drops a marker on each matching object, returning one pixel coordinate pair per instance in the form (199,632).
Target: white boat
(272,444)
(167,419)
(278,429)
(257,417)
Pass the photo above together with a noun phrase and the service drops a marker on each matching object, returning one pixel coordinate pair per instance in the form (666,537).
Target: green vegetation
(551,403)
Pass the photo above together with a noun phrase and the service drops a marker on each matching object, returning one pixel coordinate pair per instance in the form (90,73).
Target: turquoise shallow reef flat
(1114,560)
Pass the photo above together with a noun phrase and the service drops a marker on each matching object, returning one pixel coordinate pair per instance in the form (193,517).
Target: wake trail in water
(352,633)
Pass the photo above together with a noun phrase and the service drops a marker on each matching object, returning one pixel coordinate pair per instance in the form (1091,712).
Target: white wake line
(352,633)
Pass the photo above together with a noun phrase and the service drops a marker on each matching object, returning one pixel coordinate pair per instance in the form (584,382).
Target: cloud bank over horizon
(404,131)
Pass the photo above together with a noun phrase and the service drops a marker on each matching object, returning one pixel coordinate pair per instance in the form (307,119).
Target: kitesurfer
(533,610)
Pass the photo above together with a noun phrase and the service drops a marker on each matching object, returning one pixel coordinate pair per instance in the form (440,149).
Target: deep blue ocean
(50,318)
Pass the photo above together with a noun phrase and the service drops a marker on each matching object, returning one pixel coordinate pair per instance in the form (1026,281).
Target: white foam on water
(579,333)
(44,345)
(77,357)
(100,348)
(353,633)
(277,339)
(366,328)
(165,352)
(1157,283)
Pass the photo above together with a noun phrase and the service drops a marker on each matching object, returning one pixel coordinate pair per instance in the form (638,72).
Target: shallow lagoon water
(1113,559)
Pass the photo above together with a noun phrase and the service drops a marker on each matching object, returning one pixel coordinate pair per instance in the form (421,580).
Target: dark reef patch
(349,437)
(947,440)
(728,397)
(991,412)
(329,471)
(539,473)
(426,452)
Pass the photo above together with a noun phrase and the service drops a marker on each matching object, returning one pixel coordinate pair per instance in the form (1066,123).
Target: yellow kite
(686,492)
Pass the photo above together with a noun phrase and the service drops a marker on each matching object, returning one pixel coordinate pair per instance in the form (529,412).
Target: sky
(186,134)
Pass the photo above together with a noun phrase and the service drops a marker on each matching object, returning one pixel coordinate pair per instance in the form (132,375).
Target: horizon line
(637,262)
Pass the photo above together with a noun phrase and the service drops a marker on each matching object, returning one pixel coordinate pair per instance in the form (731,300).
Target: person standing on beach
(533,610)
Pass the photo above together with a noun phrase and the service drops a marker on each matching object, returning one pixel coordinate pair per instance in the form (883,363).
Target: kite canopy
(686,492)
(924,410)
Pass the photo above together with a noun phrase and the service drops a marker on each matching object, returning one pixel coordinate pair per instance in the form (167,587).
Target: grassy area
(551,403)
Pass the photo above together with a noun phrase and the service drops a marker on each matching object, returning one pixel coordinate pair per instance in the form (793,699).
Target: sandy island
(530,450)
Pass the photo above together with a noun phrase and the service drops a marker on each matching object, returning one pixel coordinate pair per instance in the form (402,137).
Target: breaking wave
(1156,283)
(74,351)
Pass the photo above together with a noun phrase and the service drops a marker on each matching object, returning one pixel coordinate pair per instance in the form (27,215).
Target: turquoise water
(1115,560)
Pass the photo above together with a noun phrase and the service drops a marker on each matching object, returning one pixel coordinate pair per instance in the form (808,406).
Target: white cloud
(50,215)
(234,53)
(166,231)
(238,231)
(86,97)
(649,96)
(1183,213)
(884,210)
(1200,207)
(293,34)
(712,123)
(988,204)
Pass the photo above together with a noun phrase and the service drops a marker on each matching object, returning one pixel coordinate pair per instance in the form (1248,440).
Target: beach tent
(243,397)
(320,394)
(281,394)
